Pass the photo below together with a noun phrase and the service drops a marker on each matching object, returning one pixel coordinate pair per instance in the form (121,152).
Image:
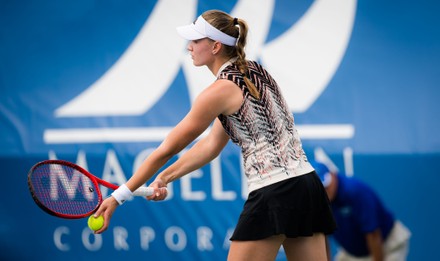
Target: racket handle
(143,191)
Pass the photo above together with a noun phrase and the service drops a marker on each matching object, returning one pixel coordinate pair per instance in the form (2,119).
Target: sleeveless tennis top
(264,129)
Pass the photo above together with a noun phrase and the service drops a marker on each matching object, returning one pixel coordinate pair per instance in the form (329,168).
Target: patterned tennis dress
(264,129)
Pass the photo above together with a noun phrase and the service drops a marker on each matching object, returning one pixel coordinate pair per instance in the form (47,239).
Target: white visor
(202,29)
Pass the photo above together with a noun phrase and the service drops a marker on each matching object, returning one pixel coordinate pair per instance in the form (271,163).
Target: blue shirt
(358,210)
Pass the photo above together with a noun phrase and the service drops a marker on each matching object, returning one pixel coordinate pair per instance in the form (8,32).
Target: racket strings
(63,190)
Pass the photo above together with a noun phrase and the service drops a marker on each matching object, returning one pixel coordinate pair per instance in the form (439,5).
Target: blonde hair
(237,28)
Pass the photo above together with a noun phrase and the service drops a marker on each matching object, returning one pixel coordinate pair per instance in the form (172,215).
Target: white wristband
(122,194)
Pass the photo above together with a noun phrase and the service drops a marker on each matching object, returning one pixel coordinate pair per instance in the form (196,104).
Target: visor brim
(189,33)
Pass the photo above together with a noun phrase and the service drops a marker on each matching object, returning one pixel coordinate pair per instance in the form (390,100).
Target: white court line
(103,135)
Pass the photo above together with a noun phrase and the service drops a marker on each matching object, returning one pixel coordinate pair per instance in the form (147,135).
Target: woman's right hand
(106,210)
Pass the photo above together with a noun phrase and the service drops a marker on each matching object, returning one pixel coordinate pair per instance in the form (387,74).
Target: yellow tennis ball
(95,223)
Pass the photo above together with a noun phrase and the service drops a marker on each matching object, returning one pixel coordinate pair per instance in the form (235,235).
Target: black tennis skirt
(295,207)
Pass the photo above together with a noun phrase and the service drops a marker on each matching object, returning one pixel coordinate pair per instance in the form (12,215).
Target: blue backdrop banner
(101,83)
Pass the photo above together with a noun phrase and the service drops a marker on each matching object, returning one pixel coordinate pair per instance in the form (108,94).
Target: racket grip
(143,191)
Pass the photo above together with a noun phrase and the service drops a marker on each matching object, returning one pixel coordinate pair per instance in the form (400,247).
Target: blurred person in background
(367,229)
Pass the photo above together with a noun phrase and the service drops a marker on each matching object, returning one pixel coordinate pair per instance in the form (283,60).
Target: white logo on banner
(302,60)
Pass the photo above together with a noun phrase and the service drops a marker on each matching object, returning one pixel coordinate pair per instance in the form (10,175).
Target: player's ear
(216,47)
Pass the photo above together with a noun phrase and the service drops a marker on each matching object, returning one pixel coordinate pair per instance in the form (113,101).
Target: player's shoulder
(222,87)
(219,92)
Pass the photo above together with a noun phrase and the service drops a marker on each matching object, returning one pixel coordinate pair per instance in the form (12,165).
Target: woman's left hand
(160,190)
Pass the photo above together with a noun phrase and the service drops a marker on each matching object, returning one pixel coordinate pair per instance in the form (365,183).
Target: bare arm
(222,97)
(375,245)
(182,135)
(199,155)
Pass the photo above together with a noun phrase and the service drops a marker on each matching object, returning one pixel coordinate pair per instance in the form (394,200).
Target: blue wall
(382,97)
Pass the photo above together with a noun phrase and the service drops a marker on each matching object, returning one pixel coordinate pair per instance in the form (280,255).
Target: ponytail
(241,60)
(237,28)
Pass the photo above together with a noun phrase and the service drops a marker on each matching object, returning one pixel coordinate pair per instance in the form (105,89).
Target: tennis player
(287,205)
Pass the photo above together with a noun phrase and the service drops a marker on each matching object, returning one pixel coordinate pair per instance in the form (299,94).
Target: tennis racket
(66,190)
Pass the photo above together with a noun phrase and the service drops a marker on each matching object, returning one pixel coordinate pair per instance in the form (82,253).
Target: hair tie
(235,21)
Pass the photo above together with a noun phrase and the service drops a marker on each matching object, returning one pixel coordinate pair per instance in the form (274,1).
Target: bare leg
(258,250)
(306,248)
